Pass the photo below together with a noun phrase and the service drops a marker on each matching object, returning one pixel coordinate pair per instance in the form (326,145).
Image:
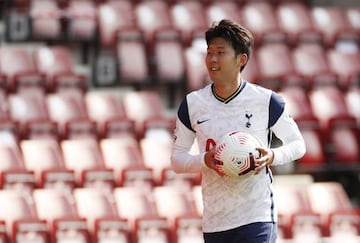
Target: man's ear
(241,59)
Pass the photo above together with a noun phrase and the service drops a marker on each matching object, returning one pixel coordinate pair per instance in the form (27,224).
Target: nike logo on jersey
(201,121)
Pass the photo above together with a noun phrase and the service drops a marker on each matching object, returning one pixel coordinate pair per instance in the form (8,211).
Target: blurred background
(88,96)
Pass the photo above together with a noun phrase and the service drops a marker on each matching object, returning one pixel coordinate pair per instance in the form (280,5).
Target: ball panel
(234,151)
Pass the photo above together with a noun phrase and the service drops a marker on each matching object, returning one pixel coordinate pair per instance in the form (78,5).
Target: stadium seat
(301,110)
(107,110)
(196,73)
(156,155)
(152,16)
(82,20)
(311,62)
(259,17)
(137,205)
(46,20)
(124,157)
(44,157)
(337,124)
(132,58)
(101,215)
(29,110)
(19,214)
(58,65)
(13,173)
(84,157)
(18,66)
(114,15)
(68,110)
(251,72)
(168,72)
(346,64)
(331,202)
(353,16)
(189,17)
(218,10)
(296,218)
(333,24)
(295,20)
(61,215)
(352,99)
(177,205)
(148,112)
(280,71)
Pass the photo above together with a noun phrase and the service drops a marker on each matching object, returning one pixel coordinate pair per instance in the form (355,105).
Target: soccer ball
(234,151)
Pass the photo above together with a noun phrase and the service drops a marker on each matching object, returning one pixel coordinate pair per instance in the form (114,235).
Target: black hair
(240,38)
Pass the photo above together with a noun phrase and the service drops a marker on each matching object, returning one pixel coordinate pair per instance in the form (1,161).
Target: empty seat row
(290,21)
(314,211)
(72,113)
(276,65)
(127,215)
(109,162)
(45,67)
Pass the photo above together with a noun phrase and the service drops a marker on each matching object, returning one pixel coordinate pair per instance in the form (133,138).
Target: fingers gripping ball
(236,151)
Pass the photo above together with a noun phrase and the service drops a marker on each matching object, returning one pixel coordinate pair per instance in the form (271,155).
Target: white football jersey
(204,117)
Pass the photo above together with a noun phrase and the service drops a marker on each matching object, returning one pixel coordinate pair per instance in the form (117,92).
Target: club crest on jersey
(248,117)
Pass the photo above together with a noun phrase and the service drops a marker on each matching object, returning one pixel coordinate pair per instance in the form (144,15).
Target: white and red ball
(234,150)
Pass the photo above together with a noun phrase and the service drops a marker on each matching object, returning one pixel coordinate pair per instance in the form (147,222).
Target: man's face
(221,62)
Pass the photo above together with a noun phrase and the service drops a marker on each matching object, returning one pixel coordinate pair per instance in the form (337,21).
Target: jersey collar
(232,96)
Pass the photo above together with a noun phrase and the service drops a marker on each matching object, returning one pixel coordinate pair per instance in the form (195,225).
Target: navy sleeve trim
(276,108)
(183,114)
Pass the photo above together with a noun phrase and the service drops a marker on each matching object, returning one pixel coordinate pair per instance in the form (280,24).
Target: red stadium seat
(353,16)
(45,20)
(68,110)
(13,173)
(337,124)
(107,110)
(82,20)
(61,215)
(352,99)
(148,112)
(156,154)
(29,110)
(168,72)
(137,205)
(58,65)
(251,71)
(218,10)
(295,20)
(301,110)
(311,62)
(333,24)
(280,71)
(346,64)
(152,16)
(101,215)
(296,218)
(18,67)
(124,157)
(330,200)
(189,17)
(177,205)
(85,158)
(19,214)
(44,157)
(114,15)
(133,66)
(259,17)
